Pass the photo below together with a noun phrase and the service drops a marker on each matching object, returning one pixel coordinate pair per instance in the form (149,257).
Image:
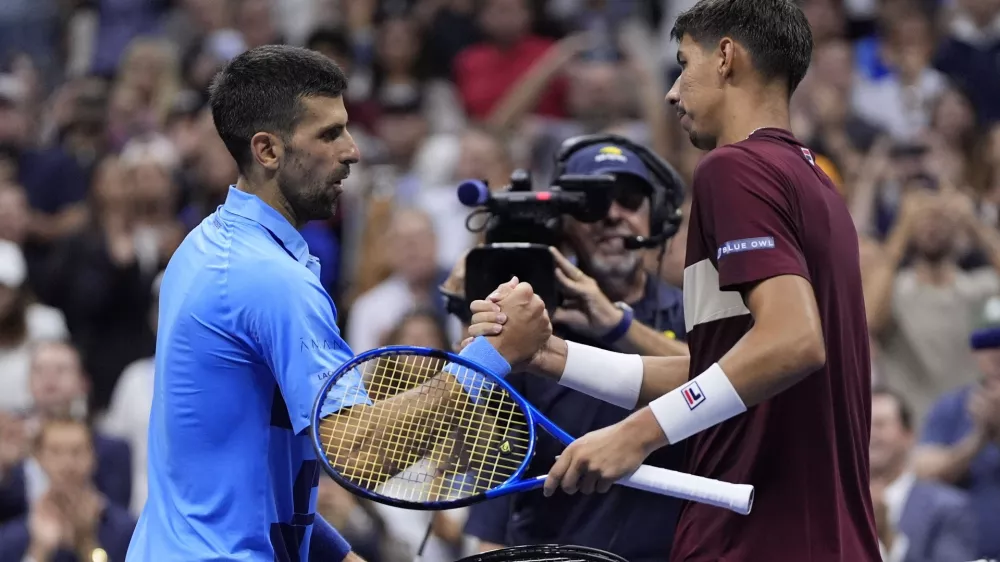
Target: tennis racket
(545,553)
(420,438)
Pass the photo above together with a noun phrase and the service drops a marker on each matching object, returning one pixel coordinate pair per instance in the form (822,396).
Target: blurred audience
(960,444)
(23,323)
(108,157)
(72,520)
(59,390)
(917,519)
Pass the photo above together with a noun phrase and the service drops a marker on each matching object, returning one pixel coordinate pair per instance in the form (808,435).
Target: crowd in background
(108,157)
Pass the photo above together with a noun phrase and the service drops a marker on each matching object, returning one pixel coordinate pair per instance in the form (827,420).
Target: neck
(939,272)
(889,474)
(271,195)
(628,289)
(767,109)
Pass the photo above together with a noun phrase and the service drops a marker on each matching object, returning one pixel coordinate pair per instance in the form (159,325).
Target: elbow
(808,351)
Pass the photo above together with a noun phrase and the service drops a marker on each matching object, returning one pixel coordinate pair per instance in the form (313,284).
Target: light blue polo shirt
(247,334)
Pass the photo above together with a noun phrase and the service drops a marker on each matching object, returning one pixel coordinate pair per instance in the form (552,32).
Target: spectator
(128,415)
(969,53)
(917,520)
(59,390)
(921,312)
(71,521)
(960,444)
(480,153)
(411,253)
(487,71)
(23,323)
(101,283)
(898,102)
(54,183)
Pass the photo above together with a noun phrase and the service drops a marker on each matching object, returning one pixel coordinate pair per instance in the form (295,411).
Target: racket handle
(734,497)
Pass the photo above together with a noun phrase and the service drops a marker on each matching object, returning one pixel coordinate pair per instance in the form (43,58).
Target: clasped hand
(595,461)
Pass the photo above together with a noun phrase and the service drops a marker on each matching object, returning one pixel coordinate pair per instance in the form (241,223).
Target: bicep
(751,221)
(299,339)
(787,301)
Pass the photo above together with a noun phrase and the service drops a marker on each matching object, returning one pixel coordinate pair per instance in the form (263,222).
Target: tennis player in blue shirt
(247,334)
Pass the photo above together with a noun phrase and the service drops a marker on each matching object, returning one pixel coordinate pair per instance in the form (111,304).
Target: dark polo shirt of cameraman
(636,525)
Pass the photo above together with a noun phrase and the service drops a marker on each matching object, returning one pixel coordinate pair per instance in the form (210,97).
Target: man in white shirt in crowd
(917,520)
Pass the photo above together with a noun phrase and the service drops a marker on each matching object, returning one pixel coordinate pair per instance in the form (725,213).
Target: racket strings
(433,450)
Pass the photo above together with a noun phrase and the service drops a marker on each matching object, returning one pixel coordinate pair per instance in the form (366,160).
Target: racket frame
(510,485)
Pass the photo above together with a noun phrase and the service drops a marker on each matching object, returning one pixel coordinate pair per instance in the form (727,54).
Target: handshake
(514,320)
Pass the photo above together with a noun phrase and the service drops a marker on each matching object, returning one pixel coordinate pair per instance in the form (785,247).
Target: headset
(667,196)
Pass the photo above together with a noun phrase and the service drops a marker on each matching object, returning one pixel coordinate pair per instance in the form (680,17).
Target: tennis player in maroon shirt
(776,392)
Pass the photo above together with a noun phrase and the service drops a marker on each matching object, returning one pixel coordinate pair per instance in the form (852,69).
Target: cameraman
(611,302)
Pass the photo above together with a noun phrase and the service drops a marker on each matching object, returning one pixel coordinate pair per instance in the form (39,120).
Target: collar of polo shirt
(252,208)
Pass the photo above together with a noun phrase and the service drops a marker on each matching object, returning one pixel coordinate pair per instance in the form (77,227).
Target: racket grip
(734,497)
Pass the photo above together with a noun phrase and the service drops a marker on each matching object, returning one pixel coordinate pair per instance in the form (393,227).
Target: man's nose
(616,213)
(674,95)
(353,155)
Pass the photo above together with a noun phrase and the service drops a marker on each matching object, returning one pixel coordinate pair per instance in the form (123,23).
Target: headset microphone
(642,242)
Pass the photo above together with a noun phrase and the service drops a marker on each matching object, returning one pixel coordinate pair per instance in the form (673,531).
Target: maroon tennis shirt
(762,208)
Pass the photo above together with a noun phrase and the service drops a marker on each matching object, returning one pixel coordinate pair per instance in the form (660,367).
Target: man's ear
(726,57)
(267,149)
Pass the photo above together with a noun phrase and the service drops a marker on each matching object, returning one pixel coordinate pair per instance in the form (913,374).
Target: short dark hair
(261,89)
(905,412)
(775,32)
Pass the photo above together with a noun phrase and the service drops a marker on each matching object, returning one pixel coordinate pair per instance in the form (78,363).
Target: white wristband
(707,400)
(613,377)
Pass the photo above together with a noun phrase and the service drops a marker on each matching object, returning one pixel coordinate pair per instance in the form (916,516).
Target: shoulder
(953,403)
(270,276)
(740,164)
(110,447)
(942,496)
(14,535)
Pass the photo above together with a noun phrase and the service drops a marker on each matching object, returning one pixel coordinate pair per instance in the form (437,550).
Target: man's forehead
(324,110)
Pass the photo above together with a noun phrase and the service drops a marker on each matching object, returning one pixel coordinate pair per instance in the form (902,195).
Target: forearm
(878,284)
(643,340)
(761,365)
(949,464)
(380,437)
(609,371)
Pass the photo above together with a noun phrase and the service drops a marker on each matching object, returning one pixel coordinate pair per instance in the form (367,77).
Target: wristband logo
(693,395)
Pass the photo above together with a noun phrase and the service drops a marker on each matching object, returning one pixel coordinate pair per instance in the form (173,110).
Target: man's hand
(47,529)
(984,409)
(527,322)
(597,460)
(589,310)
(13,442)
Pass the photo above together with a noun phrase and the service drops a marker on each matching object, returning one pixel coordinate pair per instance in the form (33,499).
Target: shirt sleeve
(944,420)
(750,219)
(294,325)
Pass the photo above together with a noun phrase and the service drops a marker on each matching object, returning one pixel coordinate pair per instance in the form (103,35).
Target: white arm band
(707,400)
(613,377)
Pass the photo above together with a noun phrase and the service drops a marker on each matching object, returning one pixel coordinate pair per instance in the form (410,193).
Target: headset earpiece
(667,198)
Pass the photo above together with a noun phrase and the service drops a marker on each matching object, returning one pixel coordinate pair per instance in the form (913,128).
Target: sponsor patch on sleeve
(746,245)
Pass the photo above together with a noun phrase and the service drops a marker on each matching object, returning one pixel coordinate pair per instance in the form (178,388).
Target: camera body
(522,224)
